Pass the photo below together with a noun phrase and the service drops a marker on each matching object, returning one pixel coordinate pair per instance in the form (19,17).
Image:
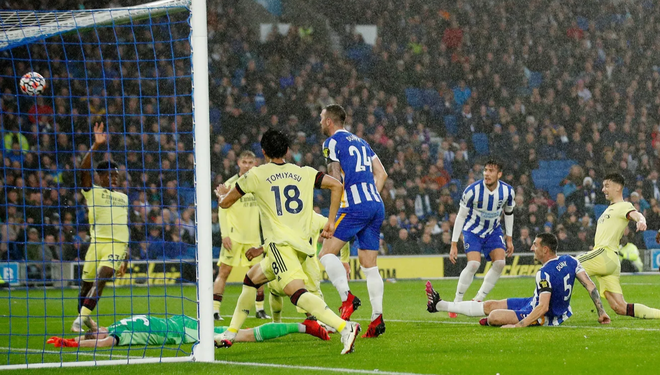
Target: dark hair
(106,166)
(274,143)
(616,178)
(496,163)
(336,112)
(549,240)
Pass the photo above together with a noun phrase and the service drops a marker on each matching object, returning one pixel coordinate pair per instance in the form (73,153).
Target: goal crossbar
(22,27)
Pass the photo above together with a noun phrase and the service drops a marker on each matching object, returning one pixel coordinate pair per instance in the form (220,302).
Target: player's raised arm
(637,217)
(336,189)
(380,175)
(589,285)
(100,138)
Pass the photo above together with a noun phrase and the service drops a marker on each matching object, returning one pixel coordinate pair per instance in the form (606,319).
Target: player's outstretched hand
(347,267)
(100,137)
(122,270)
(221,191)
(641,226)
(453,253)
(604,319)
(328,230)
(509,246)
(254,252)
(226,242)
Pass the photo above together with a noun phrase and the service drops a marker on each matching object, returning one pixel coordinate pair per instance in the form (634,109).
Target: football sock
(465,279)
(245,301)
(275,303)
(84,311)
(375,287)
(217,301)
(336,274)
(317,307)
(259,302)
(638,310)
(271,331)
(468,308)
(490,279)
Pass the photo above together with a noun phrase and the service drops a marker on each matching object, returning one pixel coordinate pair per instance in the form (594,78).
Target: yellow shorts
(311,269)
(604,266)
(236,256)
(345,253)
(103,254)
(283,264)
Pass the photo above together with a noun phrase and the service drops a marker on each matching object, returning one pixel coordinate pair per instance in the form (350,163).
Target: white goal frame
(23,27)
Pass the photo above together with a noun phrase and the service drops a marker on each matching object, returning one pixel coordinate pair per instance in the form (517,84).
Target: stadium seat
(649,239)
(451,124)
(599,209)
(535,79)
(414,97)
(480,142)
(431,98)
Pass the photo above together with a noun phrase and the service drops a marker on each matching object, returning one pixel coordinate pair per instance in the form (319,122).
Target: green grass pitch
(415,342)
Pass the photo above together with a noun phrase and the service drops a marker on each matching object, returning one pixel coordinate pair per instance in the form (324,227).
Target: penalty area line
(315,368)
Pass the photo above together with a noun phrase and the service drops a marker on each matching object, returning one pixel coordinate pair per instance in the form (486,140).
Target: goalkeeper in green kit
(143,330)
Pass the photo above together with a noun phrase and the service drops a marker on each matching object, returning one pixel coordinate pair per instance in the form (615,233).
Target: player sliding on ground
(143,330)
(479,220)
(108,220)
(550,304)
(602,262)
(285,195)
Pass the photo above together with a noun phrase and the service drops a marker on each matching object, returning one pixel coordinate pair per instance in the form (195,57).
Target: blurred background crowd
(563,92)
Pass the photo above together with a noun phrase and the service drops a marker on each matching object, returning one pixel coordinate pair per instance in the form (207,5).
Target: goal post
(143,71)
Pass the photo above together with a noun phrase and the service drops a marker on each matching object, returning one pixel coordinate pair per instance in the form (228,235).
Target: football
(33,83)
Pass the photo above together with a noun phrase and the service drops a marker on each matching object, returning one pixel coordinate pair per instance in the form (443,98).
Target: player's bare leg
(337,275)
(636,310)
(317,307)
(466,277)
(253,280)
(497,257)
(369,264)
(219,288)
(92,297)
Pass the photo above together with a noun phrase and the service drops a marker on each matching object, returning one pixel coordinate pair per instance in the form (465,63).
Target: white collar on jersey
(486,189)
(550,260)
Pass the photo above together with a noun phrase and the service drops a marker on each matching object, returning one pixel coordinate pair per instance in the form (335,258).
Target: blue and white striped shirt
(485,207)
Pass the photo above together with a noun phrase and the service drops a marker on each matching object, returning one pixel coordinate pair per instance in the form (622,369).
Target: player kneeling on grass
(180,329)
(550,304)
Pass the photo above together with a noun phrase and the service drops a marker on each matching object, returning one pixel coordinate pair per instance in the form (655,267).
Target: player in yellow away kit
(602,263)
(108,220)
(311,267)
(285,195)
(240,230)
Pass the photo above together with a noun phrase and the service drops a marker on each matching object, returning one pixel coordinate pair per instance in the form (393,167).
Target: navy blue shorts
(484,245)
(523,307)
(363,225)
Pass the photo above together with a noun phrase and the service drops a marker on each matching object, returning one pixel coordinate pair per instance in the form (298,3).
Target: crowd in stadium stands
(563,92)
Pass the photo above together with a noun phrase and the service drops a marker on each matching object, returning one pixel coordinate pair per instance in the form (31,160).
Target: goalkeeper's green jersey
(151,330)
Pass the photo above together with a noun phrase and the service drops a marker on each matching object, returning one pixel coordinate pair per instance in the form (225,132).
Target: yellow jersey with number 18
(285,196)
(108,214)
(611,224)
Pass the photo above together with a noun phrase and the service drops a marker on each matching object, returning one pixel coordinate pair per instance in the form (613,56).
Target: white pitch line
(314,368)
(640,284)
(22,350)
(476,323)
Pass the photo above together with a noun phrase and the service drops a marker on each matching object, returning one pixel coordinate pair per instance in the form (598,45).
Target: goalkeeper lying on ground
(179,329)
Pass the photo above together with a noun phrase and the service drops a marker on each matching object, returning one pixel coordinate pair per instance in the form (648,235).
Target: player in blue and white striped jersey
(478,219)
(551,303)
(351,160)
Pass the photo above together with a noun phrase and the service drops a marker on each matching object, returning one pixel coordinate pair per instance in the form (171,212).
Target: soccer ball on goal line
(33,83)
